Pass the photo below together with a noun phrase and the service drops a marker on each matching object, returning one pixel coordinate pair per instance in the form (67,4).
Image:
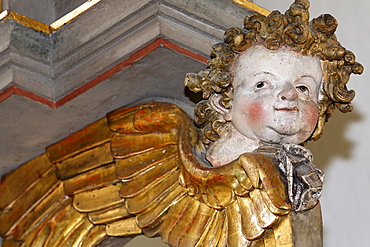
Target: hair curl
(292,29)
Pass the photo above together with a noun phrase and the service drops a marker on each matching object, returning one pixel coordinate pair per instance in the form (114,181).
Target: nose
(288,93)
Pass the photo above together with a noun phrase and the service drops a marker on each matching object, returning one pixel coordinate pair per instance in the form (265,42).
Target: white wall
(343,152)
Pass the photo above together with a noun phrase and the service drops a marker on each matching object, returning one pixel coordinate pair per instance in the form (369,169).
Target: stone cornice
(26,21)
(38,26)
(15,89)
(54,61)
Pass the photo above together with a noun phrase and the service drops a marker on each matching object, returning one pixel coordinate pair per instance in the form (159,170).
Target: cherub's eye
(261,84)
(303,89)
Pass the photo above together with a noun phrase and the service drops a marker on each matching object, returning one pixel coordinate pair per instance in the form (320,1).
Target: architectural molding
(39,26)
(26,21)
(252,6)
(15,89)
(112,54)
(56,60)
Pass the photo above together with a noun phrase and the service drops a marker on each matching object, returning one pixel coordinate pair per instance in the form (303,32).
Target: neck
(229,147)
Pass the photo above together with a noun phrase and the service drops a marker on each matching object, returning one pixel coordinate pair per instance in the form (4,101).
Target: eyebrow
(264,73)
(310,76)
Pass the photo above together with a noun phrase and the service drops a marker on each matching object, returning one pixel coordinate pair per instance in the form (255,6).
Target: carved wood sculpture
(147,169)
(135,172)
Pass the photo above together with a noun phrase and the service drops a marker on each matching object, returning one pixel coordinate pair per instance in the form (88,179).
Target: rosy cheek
(312,115)
(256,114)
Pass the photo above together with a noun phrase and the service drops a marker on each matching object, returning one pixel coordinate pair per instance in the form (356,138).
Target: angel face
(275,95)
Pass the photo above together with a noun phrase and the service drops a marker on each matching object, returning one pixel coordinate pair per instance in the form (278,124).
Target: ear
(214,100)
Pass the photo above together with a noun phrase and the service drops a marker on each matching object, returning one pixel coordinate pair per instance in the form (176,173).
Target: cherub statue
(240,177)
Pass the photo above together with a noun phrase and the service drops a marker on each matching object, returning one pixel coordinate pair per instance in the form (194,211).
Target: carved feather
(136,172)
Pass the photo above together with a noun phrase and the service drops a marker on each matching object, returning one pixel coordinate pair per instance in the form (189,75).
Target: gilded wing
(174,194)
(67,196)
(135,172)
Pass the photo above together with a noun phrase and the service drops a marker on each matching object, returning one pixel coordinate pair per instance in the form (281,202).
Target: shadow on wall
(333,143)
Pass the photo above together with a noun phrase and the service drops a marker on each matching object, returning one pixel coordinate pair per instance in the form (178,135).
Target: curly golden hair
(293,29)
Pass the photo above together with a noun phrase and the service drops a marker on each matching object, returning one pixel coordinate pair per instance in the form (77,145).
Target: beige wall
(343,152)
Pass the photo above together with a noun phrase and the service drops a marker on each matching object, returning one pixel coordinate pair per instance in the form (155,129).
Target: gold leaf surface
(17,182)
(124,227)
(84,161)
(98,199)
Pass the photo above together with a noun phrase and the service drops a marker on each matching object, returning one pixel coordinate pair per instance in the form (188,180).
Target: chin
(287,137)
(297,138)
(286,131)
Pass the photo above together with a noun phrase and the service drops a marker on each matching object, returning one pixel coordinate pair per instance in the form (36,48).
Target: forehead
(283,64)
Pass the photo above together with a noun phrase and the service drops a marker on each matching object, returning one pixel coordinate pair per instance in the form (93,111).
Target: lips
(287,109)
